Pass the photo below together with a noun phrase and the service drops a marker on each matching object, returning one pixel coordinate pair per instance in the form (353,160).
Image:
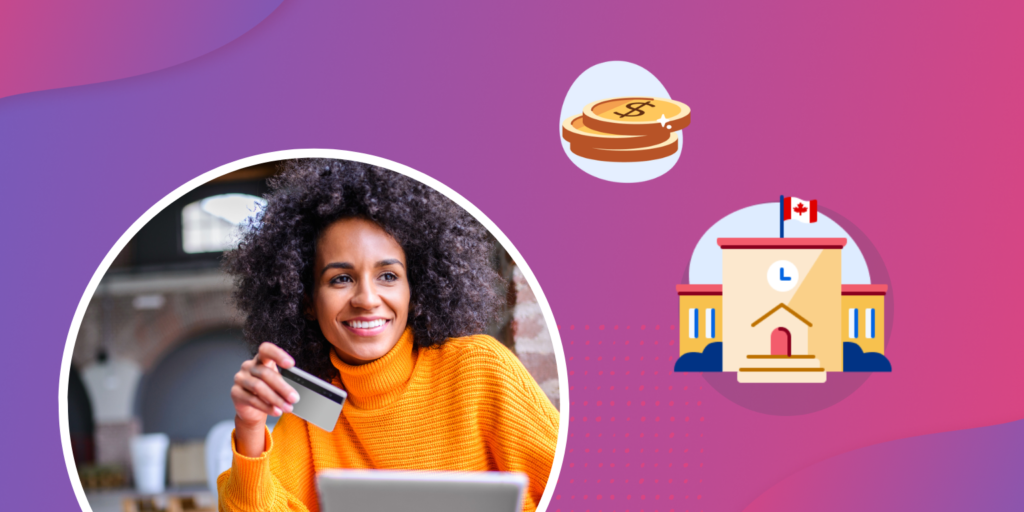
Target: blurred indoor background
(161,341)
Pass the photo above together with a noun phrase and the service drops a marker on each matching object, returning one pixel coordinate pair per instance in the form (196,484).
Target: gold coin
(636,116)
(578,134)
(654,152)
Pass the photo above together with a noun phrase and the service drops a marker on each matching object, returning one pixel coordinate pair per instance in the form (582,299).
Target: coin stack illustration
(630,129)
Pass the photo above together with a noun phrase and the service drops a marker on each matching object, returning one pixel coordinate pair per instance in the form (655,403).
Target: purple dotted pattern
(637,430)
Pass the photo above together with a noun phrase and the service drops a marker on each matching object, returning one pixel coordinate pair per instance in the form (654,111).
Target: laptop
(373,490)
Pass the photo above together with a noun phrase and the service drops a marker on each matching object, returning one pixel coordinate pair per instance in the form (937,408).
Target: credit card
(319,402)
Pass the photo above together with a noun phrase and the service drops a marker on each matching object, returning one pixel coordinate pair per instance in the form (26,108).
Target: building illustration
(782,314)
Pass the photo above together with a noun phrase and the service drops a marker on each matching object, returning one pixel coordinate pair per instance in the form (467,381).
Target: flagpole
(782,217)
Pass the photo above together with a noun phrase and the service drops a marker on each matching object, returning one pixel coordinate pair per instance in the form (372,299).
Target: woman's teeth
(372,324)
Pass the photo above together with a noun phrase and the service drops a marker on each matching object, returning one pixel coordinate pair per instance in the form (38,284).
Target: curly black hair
(455,290)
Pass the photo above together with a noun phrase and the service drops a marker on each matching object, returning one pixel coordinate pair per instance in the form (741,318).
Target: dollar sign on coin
(635,109)
(636,115)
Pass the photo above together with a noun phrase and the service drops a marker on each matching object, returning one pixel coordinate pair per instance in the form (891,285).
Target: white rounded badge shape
(783,276)
(610,80)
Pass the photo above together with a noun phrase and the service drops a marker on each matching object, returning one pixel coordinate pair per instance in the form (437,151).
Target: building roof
(865,289)
(699,289)
(776,308)
(781,243)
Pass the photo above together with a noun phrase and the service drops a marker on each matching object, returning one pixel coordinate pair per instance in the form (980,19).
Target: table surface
(110,500)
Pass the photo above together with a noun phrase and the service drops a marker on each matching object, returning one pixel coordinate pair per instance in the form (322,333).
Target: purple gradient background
(904,118)
(46,44)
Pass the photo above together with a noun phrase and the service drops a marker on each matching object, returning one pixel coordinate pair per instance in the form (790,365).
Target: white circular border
(90,290)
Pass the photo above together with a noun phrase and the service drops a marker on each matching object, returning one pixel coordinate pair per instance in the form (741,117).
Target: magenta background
(904,118)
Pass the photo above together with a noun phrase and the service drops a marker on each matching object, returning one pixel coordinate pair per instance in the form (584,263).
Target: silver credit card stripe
(312,386)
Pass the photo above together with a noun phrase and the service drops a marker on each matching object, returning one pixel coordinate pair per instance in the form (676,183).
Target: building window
(854,321)
(870,327)
(709,323)
(694,323)
(213,224)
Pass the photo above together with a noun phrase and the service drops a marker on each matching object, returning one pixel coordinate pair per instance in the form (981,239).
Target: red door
(781,342)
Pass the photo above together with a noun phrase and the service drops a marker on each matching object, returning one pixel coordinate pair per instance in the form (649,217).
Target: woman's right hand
(260,390)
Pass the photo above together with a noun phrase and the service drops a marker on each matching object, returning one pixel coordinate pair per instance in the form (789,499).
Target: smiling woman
(381,285)
(361,297)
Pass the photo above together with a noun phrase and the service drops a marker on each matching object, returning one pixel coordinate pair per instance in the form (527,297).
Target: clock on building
(783,276)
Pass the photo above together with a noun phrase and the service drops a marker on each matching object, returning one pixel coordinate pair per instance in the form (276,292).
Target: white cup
(149,462)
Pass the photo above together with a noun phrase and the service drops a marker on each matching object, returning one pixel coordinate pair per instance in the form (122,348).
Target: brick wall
(199,303)
(531,338)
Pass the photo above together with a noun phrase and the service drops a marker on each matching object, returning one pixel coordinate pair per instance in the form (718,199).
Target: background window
(870,327)
(214,223)
(709,323)
(853,323)
(694,324)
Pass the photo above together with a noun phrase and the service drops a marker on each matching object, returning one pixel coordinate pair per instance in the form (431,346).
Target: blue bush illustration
(856,360)
(708,361)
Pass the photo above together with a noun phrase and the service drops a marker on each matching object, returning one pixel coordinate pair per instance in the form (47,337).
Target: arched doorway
(782,342)
(189,390)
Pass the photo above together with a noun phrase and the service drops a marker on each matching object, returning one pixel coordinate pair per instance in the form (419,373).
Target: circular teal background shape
(610,80)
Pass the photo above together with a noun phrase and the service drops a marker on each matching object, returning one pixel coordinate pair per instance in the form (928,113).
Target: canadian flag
(794,208)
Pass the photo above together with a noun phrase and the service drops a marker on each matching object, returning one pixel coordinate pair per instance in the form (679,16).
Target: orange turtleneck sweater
(468,405)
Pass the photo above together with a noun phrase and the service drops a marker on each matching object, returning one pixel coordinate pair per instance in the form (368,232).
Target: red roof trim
(699,289)
(865,289)
(781,243)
